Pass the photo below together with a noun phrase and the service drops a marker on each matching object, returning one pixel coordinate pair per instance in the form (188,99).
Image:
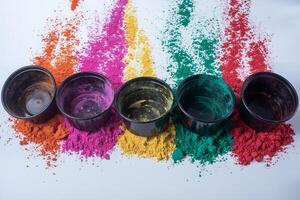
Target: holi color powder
(104,53)
(218,141)
(244,54)
(58,56)
(139,62)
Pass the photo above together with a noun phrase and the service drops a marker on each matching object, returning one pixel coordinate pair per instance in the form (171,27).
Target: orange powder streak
(74,4)
(59,57)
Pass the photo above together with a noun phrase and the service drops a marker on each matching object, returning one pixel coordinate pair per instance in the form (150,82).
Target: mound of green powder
(205,148)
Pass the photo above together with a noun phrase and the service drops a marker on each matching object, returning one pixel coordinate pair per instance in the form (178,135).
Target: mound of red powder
(251,145)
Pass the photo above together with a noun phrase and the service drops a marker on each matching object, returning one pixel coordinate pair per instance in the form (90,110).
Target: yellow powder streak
(139,62)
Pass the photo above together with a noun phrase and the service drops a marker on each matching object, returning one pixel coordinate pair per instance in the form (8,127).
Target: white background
(131,178)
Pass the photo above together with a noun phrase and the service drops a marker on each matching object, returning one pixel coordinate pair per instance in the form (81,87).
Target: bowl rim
(278,77)
(82,75)
(198,76)
(18,72)
(150,79)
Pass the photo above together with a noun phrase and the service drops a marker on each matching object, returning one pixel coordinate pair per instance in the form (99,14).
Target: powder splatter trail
(240,48)
(218,141)
(104,53)
(206,46)
(106,50)
(59,49)
(182,64)
(139,62)
(58,56)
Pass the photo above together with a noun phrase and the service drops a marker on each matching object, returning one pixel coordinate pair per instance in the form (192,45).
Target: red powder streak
(237,34)
(249,145)
(257,55)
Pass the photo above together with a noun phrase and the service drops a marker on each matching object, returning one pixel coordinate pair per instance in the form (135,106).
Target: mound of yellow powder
(159,147)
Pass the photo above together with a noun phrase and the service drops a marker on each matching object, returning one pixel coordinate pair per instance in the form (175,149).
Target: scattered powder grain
(139,62)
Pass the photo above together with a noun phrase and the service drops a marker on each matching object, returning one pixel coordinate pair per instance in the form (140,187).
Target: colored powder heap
(217,141)
(205,148)
(58,57)
(97,144)
(159,147)
(140,63)
(243,55)
(250,145)
(104,53)
(47,135)
(74,4)
(106,50)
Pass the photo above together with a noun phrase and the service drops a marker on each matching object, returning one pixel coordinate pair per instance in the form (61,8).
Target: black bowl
(204,101)
(267,99)
(29,94)
(86,99)
(144,104)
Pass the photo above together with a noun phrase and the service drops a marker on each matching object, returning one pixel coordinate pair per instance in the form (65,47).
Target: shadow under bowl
(204,101)
(86,99)
(29,94)
(145,103)
(267,99)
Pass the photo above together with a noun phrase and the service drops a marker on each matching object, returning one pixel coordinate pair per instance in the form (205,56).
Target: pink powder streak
(104,53)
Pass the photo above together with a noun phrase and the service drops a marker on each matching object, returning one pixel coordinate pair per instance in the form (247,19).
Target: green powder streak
(206,48)
(216,141)
(182,65)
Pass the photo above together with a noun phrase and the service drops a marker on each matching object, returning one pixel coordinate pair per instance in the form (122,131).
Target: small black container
(204,102)
(29,94)
(145,103)
(86,99)
(267,99)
